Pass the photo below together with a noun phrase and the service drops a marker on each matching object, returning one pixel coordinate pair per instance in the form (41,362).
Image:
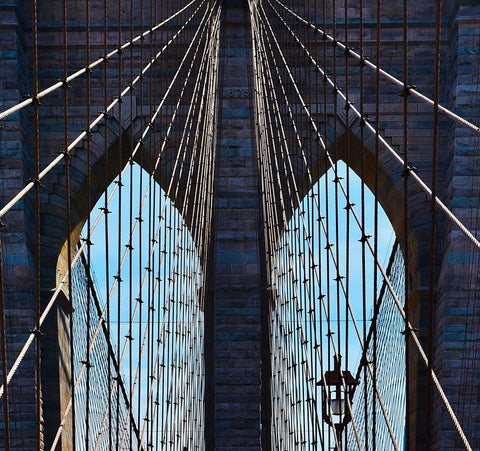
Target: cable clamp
(35,99)
(36,332)
(36,182)
(67,155)
(364,238)
(408,330)
(406,91)
(364,121)
(410,168)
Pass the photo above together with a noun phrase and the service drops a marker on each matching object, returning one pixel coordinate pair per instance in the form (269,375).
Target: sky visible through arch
(156,203)
(146,242)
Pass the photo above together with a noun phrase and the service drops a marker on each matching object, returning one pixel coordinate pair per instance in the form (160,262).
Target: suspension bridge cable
(97,121)
(103,212)
(294,127)
(433,229)
(417,343)
(411,330)
(88,68)
(367,63)
(130,239)
(365,123)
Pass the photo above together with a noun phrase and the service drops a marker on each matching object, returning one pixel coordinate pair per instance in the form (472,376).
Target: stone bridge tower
(237,348)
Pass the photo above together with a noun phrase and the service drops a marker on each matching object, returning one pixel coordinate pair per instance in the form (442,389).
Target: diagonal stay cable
(102,116)
(127,250)
(158,228)
(88,68)
(411,90)
(64,280)
(365,122)
(410,329)
(334,258)
(295,189)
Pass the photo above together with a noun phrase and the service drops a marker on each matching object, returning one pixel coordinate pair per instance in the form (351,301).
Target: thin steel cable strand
(187,276)
(99,354)
(199,400)
(295,282)
(390,367)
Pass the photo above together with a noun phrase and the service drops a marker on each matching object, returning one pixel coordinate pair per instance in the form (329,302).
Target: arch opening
(137,300)
(328,303)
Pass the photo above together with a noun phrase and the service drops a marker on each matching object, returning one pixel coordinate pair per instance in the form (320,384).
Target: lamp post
(337,387)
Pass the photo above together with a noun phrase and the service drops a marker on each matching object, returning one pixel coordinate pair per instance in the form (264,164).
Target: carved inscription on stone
(236,93)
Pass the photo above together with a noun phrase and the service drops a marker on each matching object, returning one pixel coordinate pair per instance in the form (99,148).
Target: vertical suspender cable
(89,243)
(38,401)
(362,213)
(106,179)
(3,333)
(375,231)
(68,215)
(130,242)
(118,275)
(431,294)
(408,432)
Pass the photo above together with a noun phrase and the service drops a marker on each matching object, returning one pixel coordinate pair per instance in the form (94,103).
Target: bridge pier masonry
(237,296)
(236,349)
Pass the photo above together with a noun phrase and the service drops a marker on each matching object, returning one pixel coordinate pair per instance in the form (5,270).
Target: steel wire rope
(376,215)
(406,253)
(383,142)
(104,211)
(117,276)
(162,215)
(6,408)
(88,223)
(433,228)
(35,182)
(352,312)
(412,332)
(362,218)
(129,335)
(188,185)
(348,190)
(474,264)
(101,326)
(392,151)
(177,187)
(102,116)
(71,332)
(104,59)
(267,192)
(104,208)
(412,91)
(297,194)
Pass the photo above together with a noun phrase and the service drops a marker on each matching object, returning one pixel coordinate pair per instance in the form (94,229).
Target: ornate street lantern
(337,387)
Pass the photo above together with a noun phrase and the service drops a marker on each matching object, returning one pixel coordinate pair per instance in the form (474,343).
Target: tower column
(236,281)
